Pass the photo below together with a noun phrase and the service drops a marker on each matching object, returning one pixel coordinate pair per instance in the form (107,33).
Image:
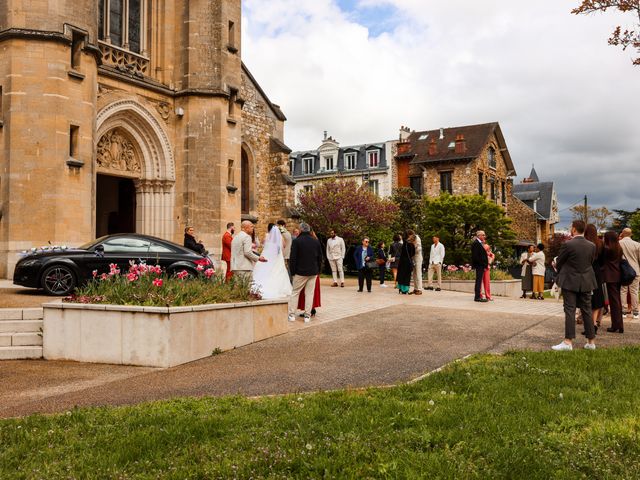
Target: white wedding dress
(271,277)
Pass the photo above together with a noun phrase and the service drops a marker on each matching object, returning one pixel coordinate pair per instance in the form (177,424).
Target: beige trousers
(337,270)
(437,267)
(417,272)
(309,285)
(633,288)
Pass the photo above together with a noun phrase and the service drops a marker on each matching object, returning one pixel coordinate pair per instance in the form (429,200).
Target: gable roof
(476,138)
(527,192)
(274,108)
(533,176)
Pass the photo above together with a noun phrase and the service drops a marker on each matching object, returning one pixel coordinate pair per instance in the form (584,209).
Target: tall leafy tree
(625,39)
(634,225)
(410,209)
(456,218)
(601,217)
(352,210)
(621,219)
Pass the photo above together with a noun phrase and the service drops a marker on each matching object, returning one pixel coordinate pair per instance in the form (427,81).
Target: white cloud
(566,101)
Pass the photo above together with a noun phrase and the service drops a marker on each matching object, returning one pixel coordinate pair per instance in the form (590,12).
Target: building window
(73,140)
(493,190)
(504,193)
(416,184)
(231,177)
(480,183)
(307,165)
(446,182)
(233,97)
(77,41)
(328,163)
(374,187)
(120,23)
(373,158)
(232,34)
(492,158)
(349,161)
(308,188)
(292,165)
(245,193)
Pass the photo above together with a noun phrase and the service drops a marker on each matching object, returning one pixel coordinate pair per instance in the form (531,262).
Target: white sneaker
(307,318)
(636,316)
(562,346)
(292,318)
(383,285)
(590,346)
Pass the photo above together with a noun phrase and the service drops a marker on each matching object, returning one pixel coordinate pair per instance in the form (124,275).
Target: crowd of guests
(591,269)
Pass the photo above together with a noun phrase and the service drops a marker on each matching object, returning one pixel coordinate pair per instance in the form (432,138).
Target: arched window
(245,193)
(121,23)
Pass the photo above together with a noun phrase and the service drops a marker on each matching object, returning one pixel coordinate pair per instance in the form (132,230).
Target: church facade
(132,116)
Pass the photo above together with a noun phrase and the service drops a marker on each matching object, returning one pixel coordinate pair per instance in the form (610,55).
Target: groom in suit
(577,280)
(479,261)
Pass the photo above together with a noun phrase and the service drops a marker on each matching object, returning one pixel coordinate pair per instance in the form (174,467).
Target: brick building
(131,115)
(465,160)
(540,197)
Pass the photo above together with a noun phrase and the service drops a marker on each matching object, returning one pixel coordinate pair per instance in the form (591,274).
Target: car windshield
(92,243)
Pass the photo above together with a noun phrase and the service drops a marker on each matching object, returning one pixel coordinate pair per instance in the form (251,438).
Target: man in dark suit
(577,280)
(479,261)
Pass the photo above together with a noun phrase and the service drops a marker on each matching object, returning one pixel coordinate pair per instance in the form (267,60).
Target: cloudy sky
(566,101)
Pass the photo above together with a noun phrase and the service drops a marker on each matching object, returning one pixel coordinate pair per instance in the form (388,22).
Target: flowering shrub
(149,286)
(466,272)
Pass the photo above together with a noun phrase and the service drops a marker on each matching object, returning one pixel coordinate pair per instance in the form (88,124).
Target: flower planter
(499,288)
(156,336)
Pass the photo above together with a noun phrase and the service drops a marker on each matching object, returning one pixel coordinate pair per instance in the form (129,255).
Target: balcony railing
(124,60)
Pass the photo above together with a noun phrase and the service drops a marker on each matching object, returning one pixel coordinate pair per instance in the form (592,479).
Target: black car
(60,270)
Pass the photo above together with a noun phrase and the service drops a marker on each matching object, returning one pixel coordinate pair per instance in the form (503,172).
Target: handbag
(380,261)
(627,273)
(372,264)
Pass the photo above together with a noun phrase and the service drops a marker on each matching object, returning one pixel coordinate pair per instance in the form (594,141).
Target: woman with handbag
(394,253)
(611,276)
(381,260)
(597,298)
(365,264)
(405,265)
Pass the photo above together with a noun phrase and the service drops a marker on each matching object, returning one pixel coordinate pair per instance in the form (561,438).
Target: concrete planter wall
(156,336)
(499,288)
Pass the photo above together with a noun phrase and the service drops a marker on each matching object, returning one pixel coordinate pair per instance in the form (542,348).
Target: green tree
(409,209)
(621,219)
(626,39)
(456,218)
(601,217)
(634,225)
(352,210)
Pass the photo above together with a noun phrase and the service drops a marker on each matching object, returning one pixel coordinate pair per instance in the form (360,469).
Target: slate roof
(542,190)
(476,138)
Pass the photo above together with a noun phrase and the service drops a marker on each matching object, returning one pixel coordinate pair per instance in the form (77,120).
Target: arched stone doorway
(135,172)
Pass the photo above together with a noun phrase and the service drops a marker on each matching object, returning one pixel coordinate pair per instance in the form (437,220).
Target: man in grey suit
(577,280)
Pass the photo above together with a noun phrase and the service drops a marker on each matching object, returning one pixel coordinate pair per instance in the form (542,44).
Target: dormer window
(373,158)
(307,165)
(292,164)
(349,161)
(492,158)
(329,163)
(423,136)
(120,23)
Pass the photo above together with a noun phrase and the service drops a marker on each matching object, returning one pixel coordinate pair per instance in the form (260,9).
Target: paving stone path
(357,340)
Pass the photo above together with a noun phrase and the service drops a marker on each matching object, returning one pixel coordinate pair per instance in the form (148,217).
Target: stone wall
(524,220)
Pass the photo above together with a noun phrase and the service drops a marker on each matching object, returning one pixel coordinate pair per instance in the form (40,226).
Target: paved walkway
(357,340)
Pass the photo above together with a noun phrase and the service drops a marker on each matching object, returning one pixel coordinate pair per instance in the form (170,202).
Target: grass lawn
(518,416)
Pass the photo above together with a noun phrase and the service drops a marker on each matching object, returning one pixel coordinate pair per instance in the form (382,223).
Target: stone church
(132,116)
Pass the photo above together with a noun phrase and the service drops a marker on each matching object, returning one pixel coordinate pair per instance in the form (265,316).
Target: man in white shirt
(631,251)
(436,259)
(336,251)
(243,258)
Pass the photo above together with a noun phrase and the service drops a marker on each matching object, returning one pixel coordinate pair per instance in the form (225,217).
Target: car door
(123,250)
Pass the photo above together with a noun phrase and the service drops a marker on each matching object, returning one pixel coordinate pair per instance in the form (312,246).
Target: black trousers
(615,305)
(362,274)
(383,270)
(581,300)
(479,275)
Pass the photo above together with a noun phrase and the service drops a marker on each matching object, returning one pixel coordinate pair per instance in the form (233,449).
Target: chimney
(404,133)
(461,144)
(325,136)
(433,147)
(441,133)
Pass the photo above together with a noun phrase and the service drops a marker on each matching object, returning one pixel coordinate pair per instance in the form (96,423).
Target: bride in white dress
(271,277)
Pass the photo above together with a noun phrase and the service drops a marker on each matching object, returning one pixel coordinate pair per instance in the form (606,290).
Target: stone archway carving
(133,143)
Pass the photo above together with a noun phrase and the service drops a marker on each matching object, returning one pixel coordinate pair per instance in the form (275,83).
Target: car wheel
(58,280)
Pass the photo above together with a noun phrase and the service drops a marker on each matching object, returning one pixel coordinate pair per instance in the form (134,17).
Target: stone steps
(20,333)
